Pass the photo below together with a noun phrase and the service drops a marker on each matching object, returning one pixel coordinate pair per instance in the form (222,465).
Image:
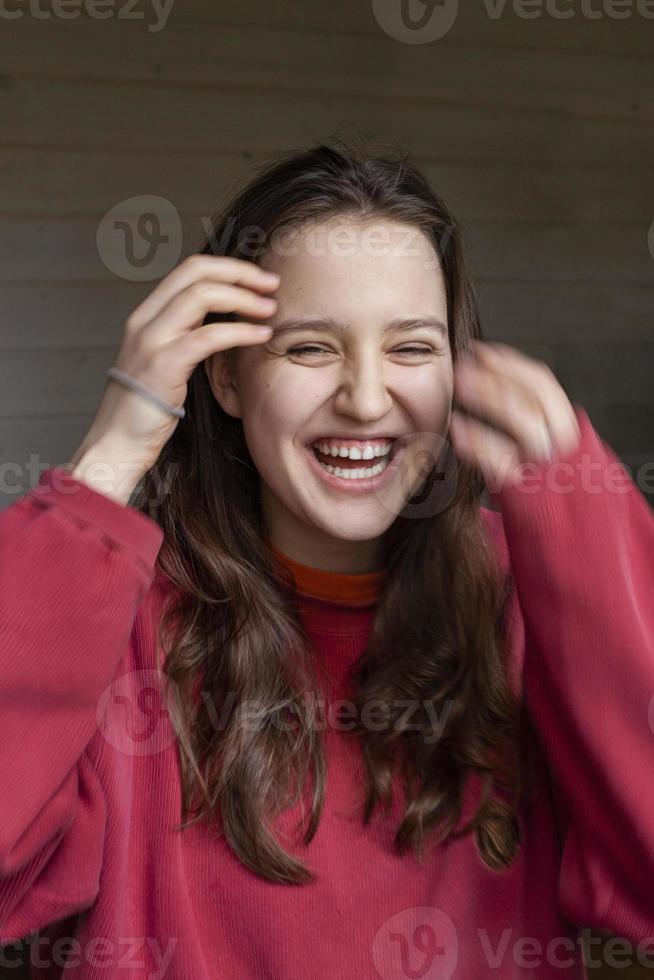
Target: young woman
(279,697)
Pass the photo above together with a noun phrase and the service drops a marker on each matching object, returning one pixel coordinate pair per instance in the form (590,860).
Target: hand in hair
(514,412)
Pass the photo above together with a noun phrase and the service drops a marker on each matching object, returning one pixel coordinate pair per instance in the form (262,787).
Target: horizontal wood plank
(378,67)
(489,23)
(97,115)
(514,311)
(66,182)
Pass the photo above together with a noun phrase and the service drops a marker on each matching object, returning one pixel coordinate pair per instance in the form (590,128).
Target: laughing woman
(280,697)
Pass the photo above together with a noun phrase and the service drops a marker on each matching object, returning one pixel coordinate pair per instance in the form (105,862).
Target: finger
(221,268)
(555,405)
(200,344)
(188,308)
(505,403)
(495,454)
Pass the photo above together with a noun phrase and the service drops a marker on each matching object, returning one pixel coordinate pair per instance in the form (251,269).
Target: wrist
(105,469)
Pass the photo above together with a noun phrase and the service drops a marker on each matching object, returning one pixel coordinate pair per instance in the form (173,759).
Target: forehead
(345,264)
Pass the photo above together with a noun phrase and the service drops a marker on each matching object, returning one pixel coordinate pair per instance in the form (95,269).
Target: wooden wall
(538,132)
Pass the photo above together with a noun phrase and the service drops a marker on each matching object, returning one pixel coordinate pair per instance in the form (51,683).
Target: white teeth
(357,474)
(354,452)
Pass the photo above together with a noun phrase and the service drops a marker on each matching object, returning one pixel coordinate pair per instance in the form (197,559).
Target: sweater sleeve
(74,567)
(580,539)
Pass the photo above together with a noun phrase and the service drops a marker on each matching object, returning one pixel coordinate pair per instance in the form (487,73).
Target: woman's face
(363,377)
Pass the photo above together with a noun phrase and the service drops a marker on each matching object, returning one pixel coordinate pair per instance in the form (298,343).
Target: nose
(363,391)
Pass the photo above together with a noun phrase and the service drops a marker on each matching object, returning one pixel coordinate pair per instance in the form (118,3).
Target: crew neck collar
(345,589)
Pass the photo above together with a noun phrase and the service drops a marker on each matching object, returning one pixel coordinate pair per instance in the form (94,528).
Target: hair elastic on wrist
(141,389)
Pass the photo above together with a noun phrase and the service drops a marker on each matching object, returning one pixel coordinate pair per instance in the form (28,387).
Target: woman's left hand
(519,395)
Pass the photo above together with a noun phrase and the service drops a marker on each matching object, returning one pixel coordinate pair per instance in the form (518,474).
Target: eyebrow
(328,324)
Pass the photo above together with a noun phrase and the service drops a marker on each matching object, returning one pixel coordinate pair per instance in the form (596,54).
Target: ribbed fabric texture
(91,798)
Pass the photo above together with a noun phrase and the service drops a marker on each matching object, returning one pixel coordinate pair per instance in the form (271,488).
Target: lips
(360,485)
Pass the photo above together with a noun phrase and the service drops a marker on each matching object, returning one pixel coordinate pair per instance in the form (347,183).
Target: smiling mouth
(355,471)
(345,463)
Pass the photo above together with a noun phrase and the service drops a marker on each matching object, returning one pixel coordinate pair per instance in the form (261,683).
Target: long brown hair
(234,632)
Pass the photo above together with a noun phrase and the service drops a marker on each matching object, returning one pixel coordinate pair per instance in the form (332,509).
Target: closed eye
(314,349)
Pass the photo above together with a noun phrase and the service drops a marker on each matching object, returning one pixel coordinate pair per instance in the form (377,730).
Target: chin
(342,530)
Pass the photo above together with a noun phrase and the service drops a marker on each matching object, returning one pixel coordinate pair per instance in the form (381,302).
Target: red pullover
(89,854)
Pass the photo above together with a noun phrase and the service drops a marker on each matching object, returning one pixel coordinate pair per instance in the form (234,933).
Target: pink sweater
(90,772)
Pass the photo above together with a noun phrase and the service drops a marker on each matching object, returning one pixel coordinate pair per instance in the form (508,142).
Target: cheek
(430,394)
(274,412)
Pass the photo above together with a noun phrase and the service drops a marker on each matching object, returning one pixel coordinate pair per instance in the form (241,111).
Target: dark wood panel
(70,181)
(514,310)
(489,23)
(334,65)
(484,23)
(95,115)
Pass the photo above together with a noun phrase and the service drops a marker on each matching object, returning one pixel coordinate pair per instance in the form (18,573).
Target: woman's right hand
(162,345)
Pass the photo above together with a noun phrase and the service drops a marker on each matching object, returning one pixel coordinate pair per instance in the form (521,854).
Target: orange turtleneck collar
(345,589)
